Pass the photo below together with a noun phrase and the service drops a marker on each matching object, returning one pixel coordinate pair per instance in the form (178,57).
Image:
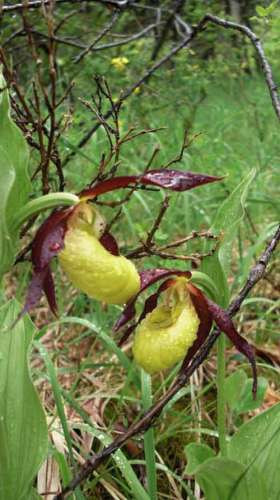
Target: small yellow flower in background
(119,63)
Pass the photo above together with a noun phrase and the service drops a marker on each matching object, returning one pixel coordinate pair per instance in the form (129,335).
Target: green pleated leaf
(257,445)
(213,268)
(225,479)
(14,181)
(238,392)
(23,429)
(226,223)
(196,454)
(234,387)
(228,217)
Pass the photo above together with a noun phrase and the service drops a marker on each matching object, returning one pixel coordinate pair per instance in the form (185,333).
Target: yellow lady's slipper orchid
(178,328)
(91,268)
(165,335)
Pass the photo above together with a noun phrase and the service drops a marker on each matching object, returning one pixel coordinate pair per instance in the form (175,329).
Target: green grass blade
(139,493)
(149,439)
(59,405)
(106,340)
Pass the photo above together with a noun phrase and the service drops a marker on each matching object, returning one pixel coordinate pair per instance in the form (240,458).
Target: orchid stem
(46,202)
(149,438)
(221,399)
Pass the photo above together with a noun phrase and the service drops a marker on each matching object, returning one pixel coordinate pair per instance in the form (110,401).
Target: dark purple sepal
(35,290)
(33,295)
(126,334)
(225,324)
(49,239)
(151,276)
(49,290)
(109,242)
(175,180)
(127,315)
(107,186)
(148,278)
(200,304)
(48,242)
(41,281)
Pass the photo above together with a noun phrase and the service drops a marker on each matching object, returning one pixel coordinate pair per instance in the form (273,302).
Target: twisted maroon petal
(49,239)
(34,293)
(49,289)
(110,243)
(224,322)
(48,242)
(150,276)
(127,333)
(176,180)
(200,304)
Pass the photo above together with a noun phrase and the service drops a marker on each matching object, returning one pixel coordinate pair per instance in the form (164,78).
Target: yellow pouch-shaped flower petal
(165,335)
(94,270)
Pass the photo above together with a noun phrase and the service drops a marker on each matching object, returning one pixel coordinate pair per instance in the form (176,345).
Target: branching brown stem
(150,248)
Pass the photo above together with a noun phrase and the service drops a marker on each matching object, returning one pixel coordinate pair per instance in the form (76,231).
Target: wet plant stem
(221,398)
(46,202)
(149,438)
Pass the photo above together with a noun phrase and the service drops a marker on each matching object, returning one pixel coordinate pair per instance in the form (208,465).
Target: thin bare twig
(104,32)
(130,90)
(177,7)
(208,18)
(149,248)
(80,45)
(266,68)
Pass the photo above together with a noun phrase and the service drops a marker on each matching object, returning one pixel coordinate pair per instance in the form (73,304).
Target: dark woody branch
(103,33)
(79,45)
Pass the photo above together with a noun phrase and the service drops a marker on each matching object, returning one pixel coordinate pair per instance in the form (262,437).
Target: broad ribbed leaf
(228,217)
(14,181)
(257,445)
(234,386)
(238,390)
(225,479)
(196,454)
(247,402)
(23,430)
